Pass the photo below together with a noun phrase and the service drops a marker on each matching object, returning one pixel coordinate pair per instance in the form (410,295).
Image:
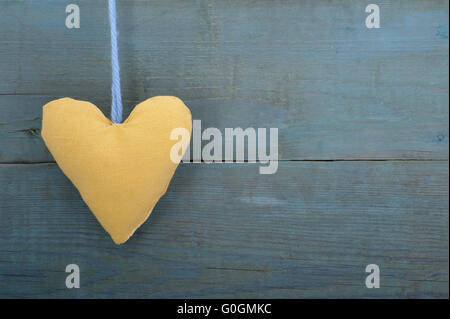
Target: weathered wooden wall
(363,141)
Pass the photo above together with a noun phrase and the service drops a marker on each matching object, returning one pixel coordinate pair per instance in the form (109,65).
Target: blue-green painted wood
(226,231)
(335,90)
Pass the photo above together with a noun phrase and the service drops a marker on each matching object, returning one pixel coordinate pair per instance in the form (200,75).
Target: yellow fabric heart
(120,170)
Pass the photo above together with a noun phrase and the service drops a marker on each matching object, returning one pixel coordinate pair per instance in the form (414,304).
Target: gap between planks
(283,160)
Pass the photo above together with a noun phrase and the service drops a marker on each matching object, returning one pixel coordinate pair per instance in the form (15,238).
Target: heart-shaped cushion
(120,170)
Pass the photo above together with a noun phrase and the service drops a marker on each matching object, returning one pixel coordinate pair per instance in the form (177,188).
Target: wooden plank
(335,89)
(223,230)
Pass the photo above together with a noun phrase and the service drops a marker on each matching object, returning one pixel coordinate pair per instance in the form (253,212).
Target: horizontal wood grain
(223,230)
(418,135)
(335,89)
